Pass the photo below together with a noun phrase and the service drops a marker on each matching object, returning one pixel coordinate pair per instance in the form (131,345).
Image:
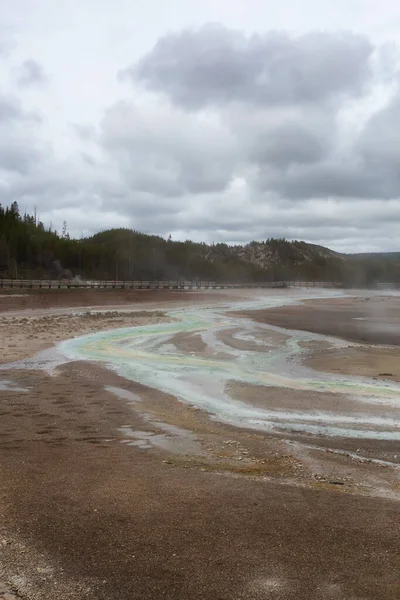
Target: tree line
(29,249)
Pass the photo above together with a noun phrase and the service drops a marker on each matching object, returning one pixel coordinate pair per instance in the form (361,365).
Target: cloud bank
(219,135)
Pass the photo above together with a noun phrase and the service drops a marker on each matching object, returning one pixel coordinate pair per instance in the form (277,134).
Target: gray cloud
(84,131)
(30,73)
(342,225)
(19,147)
(249,169)
(7,43)
(215,66)
(10,109)
(369,169)
(16,157)
(163,151)
(289,142)
(335,179)
(379,142)
(223,138)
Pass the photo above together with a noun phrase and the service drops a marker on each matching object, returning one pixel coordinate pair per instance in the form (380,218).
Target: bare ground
(24,336)
(370,321)
(364,319)
(85,515)
(50,299)
(365,361)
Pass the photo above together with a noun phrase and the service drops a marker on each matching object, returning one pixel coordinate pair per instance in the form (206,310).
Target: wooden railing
(153,285)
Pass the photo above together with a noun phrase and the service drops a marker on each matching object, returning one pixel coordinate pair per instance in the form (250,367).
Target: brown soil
(24,336)
(192,343)
(380,363)
(85,515)
(45,299)
(271,340)
(372,320)
(100,519)
(276,398)
(368,320)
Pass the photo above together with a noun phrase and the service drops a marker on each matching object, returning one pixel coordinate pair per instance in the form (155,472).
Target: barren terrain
(112,489)
(372,321)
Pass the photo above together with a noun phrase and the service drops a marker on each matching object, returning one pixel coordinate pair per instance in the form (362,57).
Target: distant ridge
(28,249)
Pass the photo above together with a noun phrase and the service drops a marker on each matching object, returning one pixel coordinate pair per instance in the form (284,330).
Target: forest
(29,249)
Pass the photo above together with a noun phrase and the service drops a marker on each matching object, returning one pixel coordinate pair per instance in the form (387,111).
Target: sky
(220,121)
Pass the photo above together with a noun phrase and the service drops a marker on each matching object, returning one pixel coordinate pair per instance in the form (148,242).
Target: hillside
(28,249)
(276,253)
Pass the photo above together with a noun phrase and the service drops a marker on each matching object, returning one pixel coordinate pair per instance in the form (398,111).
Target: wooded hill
(29,249)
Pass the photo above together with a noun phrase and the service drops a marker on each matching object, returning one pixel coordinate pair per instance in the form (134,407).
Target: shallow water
(173,439)
(123,394)
(146,354)
(9,386)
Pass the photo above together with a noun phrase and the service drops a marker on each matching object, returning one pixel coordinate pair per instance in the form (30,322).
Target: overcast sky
(225,120)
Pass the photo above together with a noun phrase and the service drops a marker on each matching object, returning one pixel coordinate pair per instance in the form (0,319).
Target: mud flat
(134,468)
(378,362)
(361,317)
(77,298)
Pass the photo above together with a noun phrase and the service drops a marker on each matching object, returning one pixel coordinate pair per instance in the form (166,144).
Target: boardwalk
(153,285)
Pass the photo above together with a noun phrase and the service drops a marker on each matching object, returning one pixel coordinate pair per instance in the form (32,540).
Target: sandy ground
(371,319)
(23,336)
(58,299)
(373,322)
(366,361)
(121,492)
